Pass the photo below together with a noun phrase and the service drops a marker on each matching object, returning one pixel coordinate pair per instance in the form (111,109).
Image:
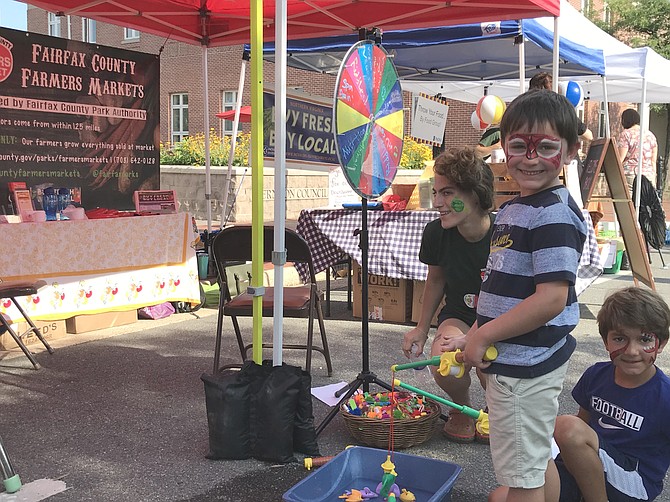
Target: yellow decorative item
(407,496)
(388,479)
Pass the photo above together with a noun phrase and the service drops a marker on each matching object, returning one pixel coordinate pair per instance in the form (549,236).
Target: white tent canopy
(626,69)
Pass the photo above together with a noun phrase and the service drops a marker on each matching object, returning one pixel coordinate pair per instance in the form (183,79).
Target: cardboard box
(50,330)
(91,322)
(417,301)
(388,299)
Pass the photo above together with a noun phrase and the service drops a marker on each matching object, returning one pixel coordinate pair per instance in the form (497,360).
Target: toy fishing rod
(481,417)
(449,363)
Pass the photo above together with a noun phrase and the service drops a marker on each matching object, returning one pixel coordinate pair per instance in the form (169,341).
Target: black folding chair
(233,245)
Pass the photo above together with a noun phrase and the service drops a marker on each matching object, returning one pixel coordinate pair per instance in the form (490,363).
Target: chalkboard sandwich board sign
(592,165)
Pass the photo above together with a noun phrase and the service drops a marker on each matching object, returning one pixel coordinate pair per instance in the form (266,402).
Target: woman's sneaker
(460,428)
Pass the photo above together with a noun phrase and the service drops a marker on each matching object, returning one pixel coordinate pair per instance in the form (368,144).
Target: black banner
(78,115)
(309,130)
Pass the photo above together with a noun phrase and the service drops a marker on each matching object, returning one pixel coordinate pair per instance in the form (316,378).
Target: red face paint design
(648,343)
(652,345)
(617,352)
(533,146)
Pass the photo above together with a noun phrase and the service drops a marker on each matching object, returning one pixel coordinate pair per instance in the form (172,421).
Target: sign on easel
(602,156)
(429,119)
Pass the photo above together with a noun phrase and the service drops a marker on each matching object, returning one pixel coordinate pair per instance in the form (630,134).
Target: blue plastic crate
(430,480)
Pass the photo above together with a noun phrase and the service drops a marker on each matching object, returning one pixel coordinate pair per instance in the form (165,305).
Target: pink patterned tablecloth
(93,266)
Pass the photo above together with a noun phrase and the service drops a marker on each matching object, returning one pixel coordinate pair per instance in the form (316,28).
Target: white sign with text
(429,120)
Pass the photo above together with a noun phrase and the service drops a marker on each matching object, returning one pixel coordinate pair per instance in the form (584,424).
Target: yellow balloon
(499,110)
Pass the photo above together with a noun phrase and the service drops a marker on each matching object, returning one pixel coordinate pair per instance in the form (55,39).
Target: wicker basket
(406,432)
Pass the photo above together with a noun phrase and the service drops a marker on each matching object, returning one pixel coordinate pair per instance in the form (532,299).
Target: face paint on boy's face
(651,343)
(648,343)
(618,351)
(457,205)
(533,146)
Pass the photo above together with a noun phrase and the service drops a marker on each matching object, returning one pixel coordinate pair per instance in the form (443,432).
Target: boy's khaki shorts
(522,414)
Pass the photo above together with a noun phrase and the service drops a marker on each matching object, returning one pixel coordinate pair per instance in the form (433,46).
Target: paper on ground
(326,393)
(35,491)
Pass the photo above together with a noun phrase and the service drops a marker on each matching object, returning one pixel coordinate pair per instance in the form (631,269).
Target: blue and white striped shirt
(536,239)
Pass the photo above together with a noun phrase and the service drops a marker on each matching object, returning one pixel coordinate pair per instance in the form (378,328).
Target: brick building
(181,85)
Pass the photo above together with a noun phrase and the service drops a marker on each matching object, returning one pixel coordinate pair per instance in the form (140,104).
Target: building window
(88,30)
(54,25)
(130,34)
(586,7)
(228,102)
(179,112)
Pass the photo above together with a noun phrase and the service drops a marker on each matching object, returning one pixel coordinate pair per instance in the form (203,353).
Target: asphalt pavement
(119,415)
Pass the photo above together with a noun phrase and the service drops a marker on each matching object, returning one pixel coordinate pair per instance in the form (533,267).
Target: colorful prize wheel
(369,119)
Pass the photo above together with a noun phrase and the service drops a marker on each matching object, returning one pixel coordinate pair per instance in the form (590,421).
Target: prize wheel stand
(369,122)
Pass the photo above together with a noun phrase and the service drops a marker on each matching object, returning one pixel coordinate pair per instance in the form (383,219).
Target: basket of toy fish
(368,418)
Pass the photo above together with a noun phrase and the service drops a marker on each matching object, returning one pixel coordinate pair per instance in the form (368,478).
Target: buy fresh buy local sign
(309,129)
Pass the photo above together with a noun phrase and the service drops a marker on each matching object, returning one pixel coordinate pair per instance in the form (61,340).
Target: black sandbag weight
(263,411)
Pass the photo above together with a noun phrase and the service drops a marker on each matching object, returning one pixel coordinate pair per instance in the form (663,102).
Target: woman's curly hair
(465,168)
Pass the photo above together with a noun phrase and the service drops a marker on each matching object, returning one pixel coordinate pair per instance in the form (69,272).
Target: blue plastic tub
(355,468)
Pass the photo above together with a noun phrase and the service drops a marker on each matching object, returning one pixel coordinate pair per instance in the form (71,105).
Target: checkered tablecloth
(394,242)
(590,263)
(394,239)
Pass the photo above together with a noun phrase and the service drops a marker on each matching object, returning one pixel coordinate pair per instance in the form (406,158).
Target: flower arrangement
(414,154)
(191,151)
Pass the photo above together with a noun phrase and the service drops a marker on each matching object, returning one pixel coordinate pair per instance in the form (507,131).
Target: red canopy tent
(245,114)
(226,22)
(212,23)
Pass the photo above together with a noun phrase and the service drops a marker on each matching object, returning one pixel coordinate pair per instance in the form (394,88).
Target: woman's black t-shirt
(463,262)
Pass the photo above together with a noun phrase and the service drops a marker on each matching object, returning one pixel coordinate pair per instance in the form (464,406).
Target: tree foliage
(641,23)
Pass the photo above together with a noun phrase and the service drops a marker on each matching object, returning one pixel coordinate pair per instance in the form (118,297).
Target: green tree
(642,23)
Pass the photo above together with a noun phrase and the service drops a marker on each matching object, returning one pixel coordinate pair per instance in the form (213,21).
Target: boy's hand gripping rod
(449,363)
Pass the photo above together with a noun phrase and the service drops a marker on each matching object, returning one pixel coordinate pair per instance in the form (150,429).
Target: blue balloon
(574,93)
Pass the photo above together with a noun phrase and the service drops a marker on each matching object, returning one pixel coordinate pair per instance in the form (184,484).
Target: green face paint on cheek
(457,205)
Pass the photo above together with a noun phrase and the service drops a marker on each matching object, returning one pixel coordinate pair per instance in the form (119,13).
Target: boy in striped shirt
(527,305)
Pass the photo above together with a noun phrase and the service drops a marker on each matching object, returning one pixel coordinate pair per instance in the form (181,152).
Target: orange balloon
(486,108)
